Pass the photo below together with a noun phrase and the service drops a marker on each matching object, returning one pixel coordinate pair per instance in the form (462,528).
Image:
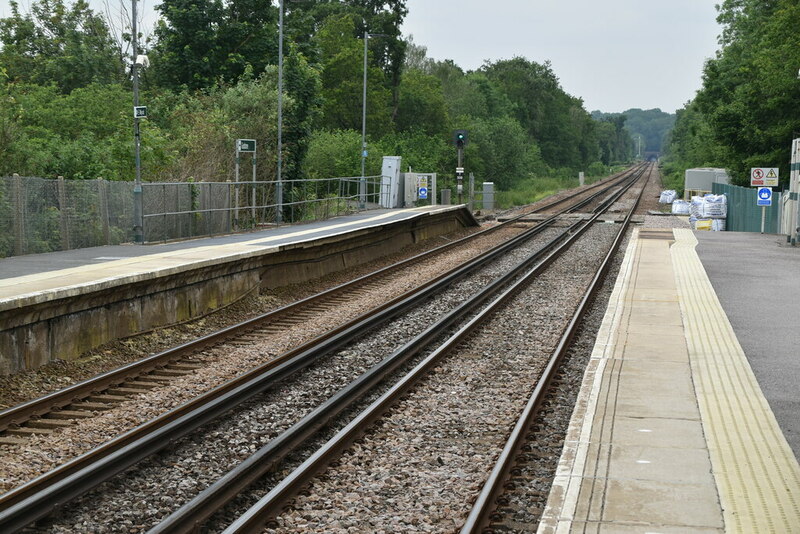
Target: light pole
(138,219)
(279,184)
(362,184)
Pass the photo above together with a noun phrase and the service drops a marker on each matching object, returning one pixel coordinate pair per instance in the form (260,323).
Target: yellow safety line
(756,472)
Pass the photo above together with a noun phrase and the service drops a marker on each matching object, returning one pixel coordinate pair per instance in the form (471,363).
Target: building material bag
(667,197)
(715,206)
(696,208)
(680,207)
(718,225)
(702,224)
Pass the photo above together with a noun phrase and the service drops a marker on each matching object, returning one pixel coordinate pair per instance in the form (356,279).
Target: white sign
(764,196)
(764,177)
(139,112)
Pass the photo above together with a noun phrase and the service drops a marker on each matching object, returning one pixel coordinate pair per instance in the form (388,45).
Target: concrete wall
(35,332)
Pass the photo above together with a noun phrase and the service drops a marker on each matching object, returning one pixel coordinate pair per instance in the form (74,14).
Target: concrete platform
(62,304)
(671,432)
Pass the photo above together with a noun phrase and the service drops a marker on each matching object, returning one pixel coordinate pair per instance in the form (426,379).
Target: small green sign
(245,145)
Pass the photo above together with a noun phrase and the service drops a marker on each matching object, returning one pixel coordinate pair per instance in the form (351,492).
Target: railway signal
(460,139)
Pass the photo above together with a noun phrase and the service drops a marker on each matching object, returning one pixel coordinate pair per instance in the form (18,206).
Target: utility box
(446,197)
(702,179)
(390,182)
(488,195)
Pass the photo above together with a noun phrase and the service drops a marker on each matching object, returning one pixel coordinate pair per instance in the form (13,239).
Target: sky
(613,54)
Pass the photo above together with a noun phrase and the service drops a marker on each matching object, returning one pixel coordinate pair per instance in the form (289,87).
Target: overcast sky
(614,54)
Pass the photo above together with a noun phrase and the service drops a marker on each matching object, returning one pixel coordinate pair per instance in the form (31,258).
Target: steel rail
(269,506)
(480,516)
(77,392)
(39,497)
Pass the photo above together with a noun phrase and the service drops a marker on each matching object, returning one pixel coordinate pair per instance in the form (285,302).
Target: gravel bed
(149,491)
(40,453)
(419,469)
(531,489)
(666,221)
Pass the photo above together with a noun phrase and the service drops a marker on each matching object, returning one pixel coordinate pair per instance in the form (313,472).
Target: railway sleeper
(124,391)
(138,384)
(155,380)
(108,399)
(25,431)
(183,366)
(168,373)
(49,423)
(91,406)
(69,414)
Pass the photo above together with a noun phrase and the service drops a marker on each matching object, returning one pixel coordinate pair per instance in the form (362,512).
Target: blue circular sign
(423,192)
(764,193)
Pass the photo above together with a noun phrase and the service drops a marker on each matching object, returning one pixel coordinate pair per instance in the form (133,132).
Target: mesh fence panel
(43,215)
(40,215)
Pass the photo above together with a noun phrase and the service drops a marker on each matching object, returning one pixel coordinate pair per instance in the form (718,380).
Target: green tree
(555,120)
(67,45)
(202,41)
(342,80)
(421,105)
(745,115)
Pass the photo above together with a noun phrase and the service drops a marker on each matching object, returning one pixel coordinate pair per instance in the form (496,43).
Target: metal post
(460,176)
(471,191)
(19,216)
(236,191)
(102,192)
(763,217)
(63,212)
(253,208)
(279,184)
(138,219)
(362,183)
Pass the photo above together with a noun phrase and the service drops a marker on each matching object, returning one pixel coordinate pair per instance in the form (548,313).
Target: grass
(534,189)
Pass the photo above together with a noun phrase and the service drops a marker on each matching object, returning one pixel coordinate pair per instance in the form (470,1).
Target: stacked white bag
(680,207)
(709,212)
(667,197)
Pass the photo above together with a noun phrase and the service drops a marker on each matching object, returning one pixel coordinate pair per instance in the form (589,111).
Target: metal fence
(743,213)
(43,215)
(192,209)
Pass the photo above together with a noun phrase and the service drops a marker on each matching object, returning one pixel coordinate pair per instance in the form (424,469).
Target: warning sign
(764,177)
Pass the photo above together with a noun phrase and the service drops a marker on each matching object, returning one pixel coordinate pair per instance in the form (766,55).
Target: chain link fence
(42,215)
(192,209)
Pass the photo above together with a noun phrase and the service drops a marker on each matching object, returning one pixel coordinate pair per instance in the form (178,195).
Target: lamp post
(138,219)
(362,184)
(279,184)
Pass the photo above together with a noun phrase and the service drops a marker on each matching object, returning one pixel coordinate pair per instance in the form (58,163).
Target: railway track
(270,507)
(494,509)
(126,450)
(87,398)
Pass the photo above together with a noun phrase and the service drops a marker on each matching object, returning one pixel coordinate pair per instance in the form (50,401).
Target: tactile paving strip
(756,472)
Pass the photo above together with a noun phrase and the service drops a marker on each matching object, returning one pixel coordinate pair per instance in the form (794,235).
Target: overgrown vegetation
(746,113)
(65,95)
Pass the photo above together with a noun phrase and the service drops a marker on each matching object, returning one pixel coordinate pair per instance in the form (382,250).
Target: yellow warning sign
(772,174)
